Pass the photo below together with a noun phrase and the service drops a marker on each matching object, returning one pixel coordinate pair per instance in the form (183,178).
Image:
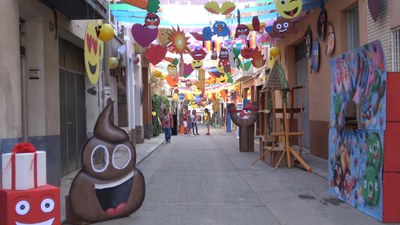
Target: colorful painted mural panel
(359,78)
(358,122)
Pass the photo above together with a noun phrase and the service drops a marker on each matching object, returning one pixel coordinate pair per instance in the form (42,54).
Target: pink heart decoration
(187,69)
(143,35)
(155,54)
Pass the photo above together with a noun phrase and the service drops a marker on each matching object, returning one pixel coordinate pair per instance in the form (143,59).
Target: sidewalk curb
(150,151)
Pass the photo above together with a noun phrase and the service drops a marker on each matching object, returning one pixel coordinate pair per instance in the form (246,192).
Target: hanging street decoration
(105,32)
(257,57)
(280,27)
(289,9)
(163,36)
(220,29)
(179,43)
(214,8)
(155,54)
(93,51)
(151,6)
(255,22)
(373,6)
(147,33)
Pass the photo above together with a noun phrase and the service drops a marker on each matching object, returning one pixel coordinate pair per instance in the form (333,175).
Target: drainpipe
(130,94)
(106,75)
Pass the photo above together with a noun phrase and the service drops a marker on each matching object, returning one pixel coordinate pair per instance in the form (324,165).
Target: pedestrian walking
(168,124)
(194,122)
(207,120)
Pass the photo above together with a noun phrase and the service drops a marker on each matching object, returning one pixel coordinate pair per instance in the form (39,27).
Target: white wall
(10,75)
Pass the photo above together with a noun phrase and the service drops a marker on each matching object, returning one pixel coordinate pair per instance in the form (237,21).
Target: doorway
(302,80)
(72,105)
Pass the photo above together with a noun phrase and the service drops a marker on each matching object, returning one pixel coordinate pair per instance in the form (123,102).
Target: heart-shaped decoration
(143,35)
(155,54)
(212,7)
(227,7)
(187,69)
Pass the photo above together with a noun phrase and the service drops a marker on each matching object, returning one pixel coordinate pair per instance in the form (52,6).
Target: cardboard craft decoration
(246,125)
(289,9)
(163,36)
(179,42)
(255,22)
(22,171)
(257,57)
(373,6)
(315,56)
(276,77)
(207,33)
(330,46)
(145,34)
(109,185)
(220,29)
(308,39)
(93,51)
(155,54)
(280,27)
(242,31)
(225,9)
(151,6)
(34,206)
(25,197)
(321,24)
(356,156)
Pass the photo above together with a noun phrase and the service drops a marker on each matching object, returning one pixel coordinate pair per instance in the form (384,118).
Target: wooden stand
(268,115)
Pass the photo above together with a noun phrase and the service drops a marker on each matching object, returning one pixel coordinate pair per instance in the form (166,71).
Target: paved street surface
(205,180)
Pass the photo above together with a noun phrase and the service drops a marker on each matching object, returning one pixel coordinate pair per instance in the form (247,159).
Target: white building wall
(381,30)
(10,75)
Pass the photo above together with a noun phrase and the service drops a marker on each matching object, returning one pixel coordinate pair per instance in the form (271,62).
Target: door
(302,79)
(72,105)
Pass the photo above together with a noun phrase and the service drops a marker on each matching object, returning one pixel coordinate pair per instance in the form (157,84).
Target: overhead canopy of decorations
(200,47)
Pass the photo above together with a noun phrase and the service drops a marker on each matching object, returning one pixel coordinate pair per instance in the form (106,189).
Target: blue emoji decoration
(315,56)
(356,150)
(220,29)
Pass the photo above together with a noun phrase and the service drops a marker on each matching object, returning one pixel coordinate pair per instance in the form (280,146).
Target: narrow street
(205,180)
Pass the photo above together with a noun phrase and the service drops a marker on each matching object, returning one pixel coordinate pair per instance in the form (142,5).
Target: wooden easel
(267,114)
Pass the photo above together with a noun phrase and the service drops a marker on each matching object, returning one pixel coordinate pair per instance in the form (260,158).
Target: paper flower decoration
(225,9)
(179,43)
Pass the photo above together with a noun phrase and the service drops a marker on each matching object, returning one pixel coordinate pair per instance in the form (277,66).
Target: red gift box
(34,206)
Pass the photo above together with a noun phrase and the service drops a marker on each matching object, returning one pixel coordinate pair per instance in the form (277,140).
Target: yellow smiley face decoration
(197,64)
(93,52)
(289,9)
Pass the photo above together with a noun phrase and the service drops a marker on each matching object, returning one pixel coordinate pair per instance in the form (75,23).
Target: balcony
(80,9)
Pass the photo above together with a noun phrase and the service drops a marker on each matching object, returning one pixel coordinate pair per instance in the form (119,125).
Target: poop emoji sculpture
(108,186)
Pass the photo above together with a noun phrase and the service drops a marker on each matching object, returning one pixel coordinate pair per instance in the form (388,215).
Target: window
(396,50)
(353,29)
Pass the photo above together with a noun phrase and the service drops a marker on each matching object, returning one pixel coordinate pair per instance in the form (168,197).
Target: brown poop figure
(108,186)
(246,125)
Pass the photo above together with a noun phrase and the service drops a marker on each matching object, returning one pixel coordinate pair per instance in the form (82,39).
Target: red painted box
(33,206)
(392,97)
(391,153)
(391,197)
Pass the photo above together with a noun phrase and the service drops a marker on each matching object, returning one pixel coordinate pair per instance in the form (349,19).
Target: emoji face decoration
(315,56)
(152,21)
(172,70)
(242,31)
(197,64)
(221,29)
(198,56)
(331,39)
(108,186)
(33,206)
(214,55)
(92,52)
(282,26)
(289,8)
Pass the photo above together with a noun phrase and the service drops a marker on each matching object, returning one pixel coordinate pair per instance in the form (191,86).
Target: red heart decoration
(155,54)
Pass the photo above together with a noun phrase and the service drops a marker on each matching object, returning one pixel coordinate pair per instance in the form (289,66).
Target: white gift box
(24,169)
